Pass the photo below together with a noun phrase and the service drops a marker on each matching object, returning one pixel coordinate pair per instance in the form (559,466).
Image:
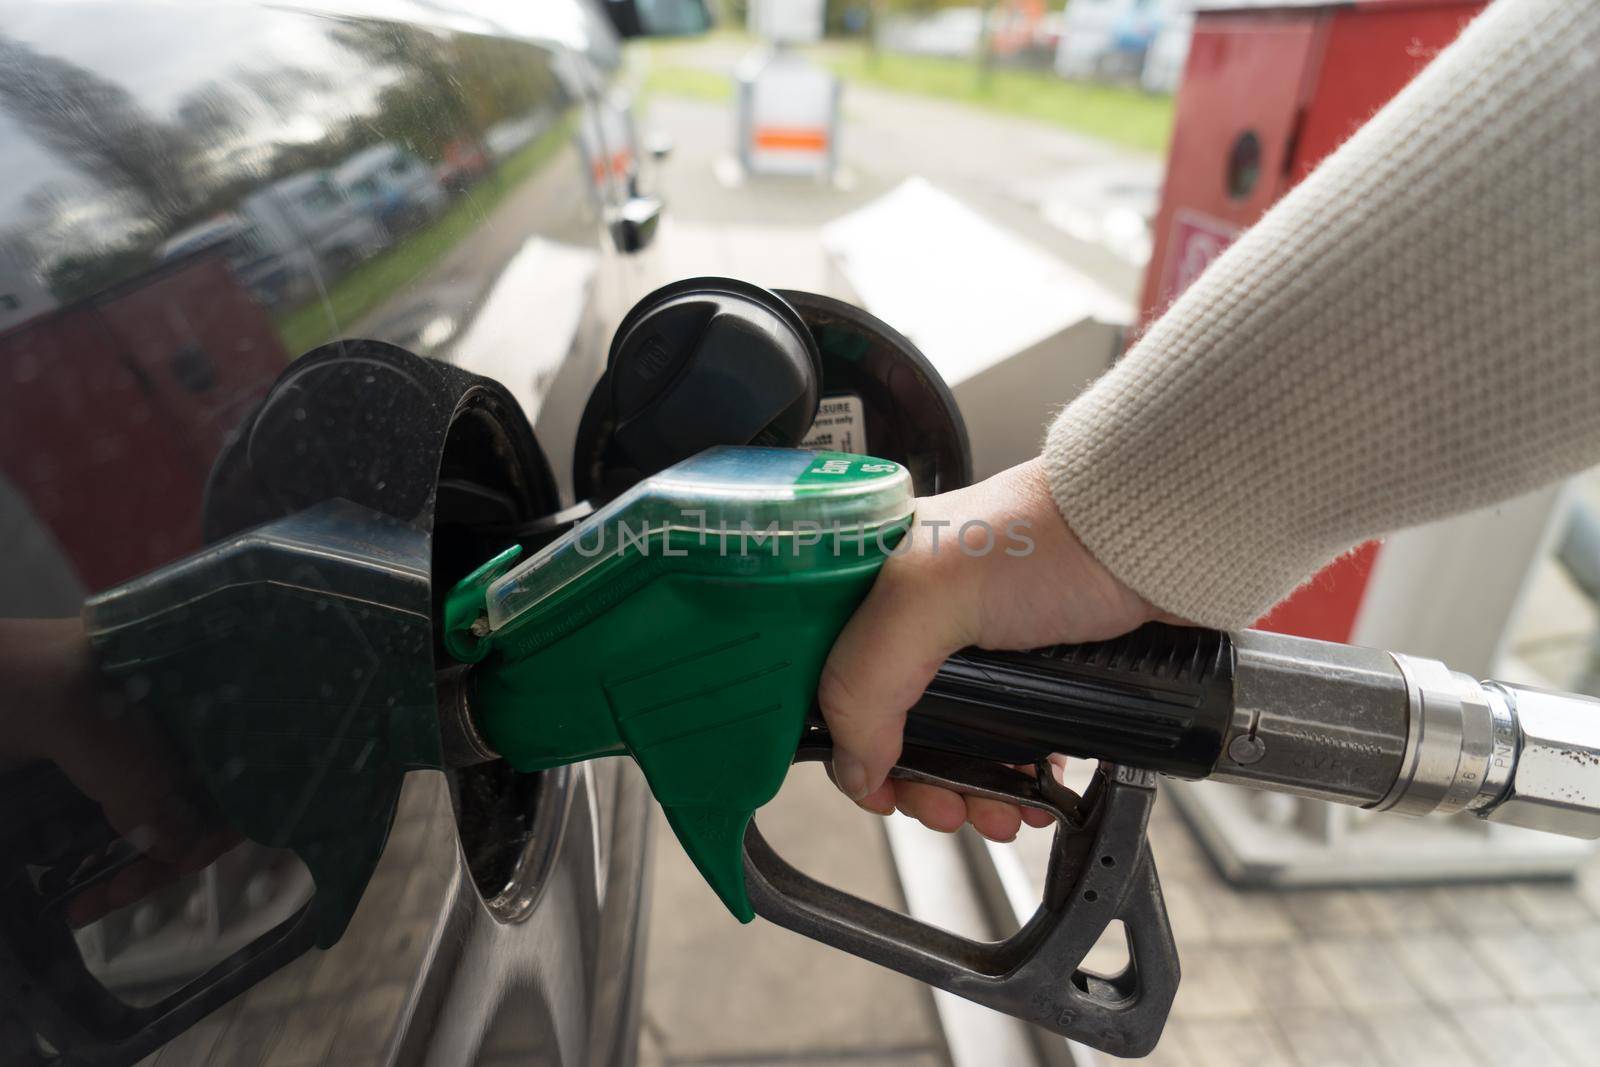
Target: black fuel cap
(709,361)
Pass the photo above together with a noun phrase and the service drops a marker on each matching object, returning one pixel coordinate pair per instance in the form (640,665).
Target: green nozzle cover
(696,654)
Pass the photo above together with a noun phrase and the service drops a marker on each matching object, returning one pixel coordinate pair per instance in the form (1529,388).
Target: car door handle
(633,224)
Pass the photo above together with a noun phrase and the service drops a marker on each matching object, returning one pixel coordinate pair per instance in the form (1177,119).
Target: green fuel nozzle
(684,624)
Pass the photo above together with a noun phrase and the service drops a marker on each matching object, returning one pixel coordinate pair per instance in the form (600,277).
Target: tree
(98,127)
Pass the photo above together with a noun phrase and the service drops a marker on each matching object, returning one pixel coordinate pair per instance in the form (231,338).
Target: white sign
(841,426)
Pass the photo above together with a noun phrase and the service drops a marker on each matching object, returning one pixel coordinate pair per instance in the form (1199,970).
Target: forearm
(1410,333)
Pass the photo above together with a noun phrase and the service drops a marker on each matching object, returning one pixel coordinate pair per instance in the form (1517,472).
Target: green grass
(1113,113)
(670,66)
(663,78)
(373,282)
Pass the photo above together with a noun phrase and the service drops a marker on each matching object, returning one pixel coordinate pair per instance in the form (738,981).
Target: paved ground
(1453,976)
(720,993)
(1072,195)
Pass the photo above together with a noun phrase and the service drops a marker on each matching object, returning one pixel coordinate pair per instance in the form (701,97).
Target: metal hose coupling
(1506,753)
(1460,744)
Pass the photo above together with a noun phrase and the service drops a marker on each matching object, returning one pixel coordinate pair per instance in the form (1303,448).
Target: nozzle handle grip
(1159,698)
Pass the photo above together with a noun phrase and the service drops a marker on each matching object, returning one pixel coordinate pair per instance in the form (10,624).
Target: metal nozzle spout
(461,744)
(1553,779)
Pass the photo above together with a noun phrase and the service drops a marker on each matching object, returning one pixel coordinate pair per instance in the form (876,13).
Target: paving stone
(1400,911)
(1476,909)
(1326,1038)
(1573,1026)
(1586,886)
(1243,917)
(1527,967)
(921,1057)
(1177,853)
(1550,907)
(1445,968)
(1419,1038)
(1191,925)
(1364,974)
(1109,956)
(1172,1050)
(717,990)
(1579,949)
(1509,1037)
(1319,913)
(650,1054)
(1284,976)
(1232,1042)
(1214,986)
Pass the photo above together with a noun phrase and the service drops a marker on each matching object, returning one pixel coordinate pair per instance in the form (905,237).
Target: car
(1125,40)
(392,186)
(952,32)
(214,334)
(464,162)
(310,220)
(267,275)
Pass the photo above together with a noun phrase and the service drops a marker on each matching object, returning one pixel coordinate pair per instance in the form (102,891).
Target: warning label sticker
(840,426)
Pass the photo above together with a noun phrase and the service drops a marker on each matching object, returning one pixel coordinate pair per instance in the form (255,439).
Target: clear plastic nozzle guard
(744,502)
(685,624)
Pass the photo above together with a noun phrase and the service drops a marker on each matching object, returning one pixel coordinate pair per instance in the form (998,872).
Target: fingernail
(887,809)
(850,774)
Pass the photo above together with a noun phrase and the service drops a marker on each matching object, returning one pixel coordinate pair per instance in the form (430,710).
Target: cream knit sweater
(1412,332)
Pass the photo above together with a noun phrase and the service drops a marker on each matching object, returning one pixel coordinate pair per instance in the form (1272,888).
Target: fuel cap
(698,363)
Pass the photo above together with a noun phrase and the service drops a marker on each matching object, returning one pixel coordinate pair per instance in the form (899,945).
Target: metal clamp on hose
(1453,734)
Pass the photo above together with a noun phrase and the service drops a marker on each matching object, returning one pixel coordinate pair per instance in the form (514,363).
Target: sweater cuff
(1201,563)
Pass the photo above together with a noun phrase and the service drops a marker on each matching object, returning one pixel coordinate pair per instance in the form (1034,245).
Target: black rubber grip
(1159,698)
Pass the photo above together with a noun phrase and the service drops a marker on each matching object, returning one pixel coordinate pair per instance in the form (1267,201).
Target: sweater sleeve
(1413,331)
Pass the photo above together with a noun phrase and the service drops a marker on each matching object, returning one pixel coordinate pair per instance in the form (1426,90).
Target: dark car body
(153,287)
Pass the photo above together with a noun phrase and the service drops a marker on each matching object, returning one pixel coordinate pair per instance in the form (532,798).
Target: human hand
(934,598)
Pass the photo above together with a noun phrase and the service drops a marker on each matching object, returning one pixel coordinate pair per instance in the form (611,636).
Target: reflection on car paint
(197,195)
